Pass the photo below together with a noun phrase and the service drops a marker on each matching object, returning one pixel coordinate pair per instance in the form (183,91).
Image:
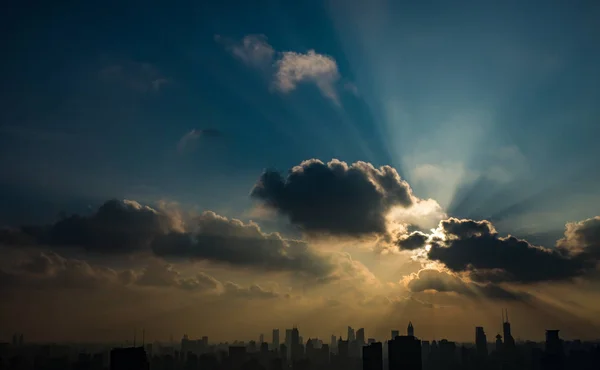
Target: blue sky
(488,108)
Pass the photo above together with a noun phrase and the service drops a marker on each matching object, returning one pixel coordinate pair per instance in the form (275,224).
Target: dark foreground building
(133,358)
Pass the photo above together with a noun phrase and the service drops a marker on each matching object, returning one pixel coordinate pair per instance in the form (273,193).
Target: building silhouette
(360,336)
(410,331)
(404,353)
(133,358)
(372,356)
(509,341)
(275,338)
(481,342)
(553,358)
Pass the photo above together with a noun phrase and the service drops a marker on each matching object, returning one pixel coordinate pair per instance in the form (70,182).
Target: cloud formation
(219,239)
(412,241)
(335,198)
(254,50)
(582,238)
(126,227)
(116,227)
(294,68)
(430,279)
(476,248)
(288,68)
(49,270)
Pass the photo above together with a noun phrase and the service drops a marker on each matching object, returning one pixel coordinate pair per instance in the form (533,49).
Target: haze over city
(224,168)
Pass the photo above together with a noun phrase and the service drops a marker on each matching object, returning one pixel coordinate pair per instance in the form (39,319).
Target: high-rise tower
(410,331)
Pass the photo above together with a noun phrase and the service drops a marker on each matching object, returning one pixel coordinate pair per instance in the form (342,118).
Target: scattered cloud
(294,68)
(289,68)
(254,50)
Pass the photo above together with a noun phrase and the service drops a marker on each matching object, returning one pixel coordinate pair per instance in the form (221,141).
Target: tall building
(133,358)
(509,341)
(480,342)
(553,358)
(275,338)
(498,343)
(288,343)
(395,333)
(404,353)
(350,334)
(410,331)
(553,343)
(296,350)
(360,336)
(261,339)
(372,356)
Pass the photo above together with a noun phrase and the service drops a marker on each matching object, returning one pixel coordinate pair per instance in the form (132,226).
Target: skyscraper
(275,338)
(553,358)
(410,331)
(360,336)
(395,333)
(509,342)
(372,356)
(261,339)
(350,334)
(296,350)
(404,353)
(498,343)
(480,342)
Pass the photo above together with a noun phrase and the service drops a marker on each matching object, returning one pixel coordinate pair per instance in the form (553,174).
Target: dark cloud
(233,242)
(116,227)
(475,247)
(412,241)
(121,227)
(440,281)
(335,198)
(49,270)
(461,229)
(160,274)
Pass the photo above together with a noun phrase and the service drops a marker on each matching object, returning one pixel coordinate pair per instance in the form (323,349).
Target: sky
(224,168)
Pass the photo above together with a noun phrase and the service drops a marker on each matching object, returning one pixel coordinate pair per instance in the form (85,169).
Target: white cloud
(319,69)
(253,50)
(290,68)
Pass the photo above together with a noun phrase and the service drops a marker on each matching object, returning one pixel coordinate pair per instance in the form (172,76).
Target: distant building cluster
(399,352)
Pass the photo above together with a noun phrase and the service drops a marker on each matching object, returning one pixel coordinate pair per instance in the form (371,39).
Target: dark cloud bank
(125,227)
(475,249)
(335,199)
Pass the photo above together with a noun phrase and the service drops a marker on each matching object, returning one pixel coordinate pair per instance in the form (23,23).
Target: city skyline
(222,168)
